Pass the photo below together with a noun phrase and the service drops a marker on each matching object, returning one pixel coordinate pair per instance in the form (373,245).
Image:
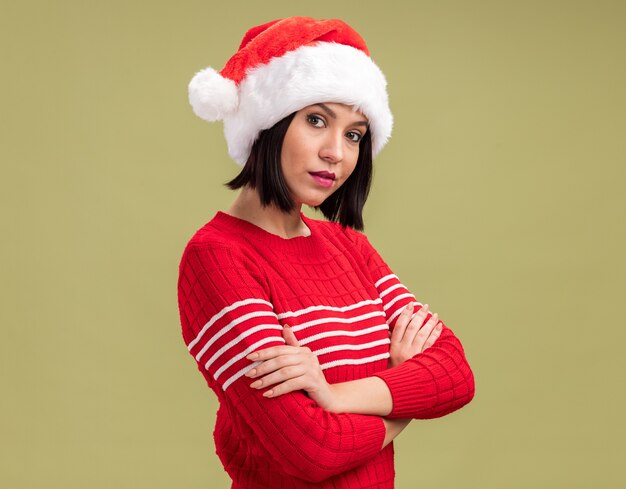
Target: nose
(332,147)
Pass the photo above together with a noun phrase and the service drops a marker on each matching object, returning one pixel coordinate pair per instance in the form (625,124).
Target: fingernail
(268,393)
(252,356)
(252,373)
(256,384)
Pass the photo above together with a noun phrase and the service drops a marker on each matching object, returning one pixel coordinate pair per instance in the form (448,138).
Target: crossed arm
(291,367)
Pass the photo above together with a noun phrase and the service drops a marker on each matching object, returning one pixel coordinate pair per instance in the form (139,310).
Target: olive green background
(499,200)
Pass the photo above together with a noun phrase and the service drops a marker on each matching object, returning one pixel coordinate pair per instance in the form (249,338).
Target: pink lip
(324,178)
(325,174)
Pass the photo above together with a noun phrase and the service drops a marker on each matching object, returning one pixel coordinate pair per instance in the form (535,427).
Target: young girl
(318,354)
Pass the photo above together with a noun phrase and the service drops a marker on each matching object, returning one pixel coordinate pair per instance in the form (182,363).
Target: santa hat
(283,66)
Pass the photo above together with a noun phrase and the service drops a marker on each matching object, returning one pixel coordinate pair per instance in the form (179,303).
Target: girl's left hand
(291,368)
(413,334)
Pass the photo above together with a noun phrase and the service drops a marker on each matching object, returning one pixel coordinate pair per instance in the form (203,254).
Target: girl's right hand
(291,368)
(411,336)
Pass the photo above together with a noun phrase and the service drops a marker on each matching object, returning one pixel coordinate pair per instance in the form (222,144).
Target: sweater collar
(258,235)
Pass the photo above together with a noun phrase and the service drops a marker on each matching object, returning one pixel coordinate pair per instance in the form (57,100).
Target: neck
(247,206)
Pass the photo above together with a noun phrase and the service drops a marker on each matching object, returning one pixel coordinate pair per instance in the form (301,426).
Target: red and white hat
(283,66)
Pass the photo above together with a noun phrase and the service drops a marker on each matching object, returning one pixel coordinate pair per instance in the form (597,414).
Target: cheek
(290,155)
(352,167)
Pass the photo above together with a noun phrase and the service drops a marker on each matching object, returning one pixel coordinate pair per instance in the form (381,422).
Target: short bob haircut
(263,172)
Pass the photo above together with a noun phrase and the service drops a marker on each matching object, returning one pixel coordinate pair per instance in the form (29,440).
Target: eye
(355,137)
(315,120)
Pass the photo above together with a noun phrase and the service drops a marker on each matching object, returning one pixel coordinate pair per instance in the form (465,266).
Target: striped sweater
(238,285)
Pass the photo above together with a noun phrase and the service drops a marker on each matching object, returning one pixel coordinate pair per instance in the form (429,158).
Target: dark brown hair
(263,172)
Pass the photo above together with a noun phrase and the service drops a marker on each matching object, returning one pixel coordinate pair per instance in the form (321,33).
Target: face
(320,150)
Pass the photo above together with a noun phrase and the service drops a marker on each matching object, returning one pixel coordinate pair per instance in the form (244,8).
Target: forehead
(335,109)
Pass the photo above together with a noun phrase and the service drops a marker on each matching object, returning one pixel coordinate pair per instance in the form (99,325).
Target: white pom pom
(212,96)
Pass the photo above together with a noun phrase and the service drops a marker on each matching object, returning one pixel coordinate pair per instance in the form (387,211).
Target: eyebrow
(331,113)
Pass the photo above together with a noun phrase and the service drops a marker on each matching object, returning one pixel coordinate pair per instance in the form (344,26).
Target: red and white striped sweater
(238,284)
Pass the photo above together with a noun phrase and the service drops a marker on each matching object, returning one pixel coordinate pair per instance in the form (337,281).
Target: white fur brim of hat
(317,73)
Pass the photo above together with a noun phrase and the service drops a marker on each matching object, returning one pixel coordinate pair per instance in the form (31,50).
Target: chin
(314,202)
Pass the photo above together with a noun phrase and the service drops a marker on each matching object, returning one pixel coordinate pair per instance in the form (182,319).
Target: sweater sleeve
(226,314)
(433,383)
